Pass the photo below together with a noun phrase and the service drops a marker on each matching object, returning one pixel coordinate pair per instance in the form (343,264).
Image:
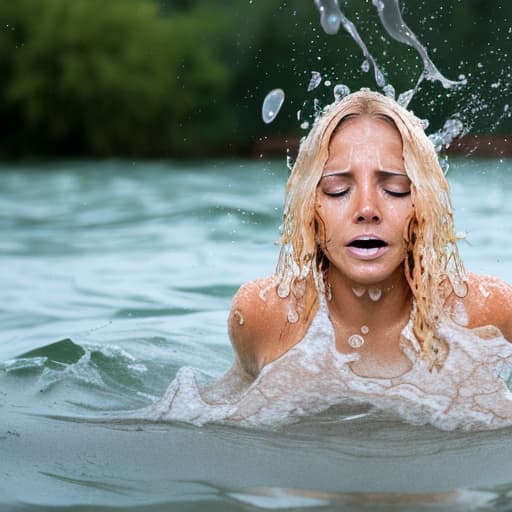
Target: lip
(367,254)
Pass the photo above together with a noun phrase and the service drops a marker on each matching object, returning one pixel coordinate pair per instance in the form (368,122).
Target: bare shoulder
(258,325)
(489,302)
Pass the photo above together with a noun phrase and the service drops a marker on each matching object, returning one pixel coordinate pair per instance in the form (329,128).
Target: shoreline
(478,145)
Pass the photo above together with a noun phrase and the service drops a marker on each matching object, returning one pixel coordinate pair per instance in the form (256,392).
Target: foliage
(187,77)
(103,78)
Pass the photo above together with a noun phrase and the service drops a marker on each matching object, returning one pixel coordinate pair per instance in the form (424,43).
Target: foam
(468,393)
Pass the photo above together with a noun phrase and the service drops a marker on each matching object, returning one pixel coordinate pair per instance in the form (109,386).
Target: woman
(369,301)
(368,222)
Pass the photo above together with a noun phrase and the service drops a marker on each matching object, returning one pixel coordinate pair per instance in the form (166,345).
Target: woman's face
(363,201)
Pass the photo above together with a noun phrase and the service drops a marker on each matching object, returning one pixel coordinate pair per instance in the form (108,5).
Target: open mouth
(367,243)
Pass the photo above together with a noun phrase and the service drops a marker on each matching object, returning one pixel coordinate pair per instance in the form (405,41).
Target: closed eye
(339,193)
(398,194)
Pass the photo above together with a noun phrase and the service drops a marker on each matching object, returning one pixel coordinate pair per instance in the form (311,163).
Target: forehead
(365,135)
(363,129)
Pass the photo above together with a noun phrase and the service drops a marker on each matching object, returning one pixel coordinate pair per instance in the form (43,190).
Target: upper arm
(246,326)
(490,303)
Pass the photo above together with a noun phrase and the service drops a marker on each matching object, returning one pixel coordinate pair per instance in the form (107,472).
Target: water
(272,105)
(390,16)
(115,274)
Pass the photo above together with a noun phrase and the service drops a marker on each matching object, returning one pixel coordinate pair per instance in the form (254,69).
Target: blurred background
(186,78)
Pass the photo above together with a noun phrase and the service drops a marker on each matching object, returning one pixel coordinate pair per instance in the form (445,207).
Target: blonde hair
(432,266)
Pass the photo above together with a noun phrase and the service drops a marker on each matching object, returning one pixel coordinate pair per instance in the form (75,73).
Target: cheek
(327,222)
(399,213)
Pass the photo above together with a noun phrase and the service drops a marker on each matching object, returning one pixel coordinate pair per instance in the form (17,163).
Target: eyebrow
(381,172)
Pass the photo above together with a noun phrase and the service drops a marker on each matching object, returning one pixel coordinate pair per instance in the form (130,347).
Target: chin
(373,275)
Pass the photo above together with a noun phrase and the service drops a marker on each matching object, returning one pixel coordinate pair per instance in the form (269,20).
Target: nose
(366,207)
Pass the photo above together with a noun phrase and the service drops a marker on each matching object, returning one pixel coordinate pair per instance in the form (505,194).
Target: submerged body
(314,375)
(370,302)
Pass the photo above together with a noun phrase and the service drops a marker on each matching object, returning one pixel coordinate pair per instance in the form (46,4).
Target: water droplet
(359,291)
(316,78)
(340,91)
(365,66)
(304,125)
(330,15)
(283,290)
(365,329)
(271,105)
(375,294)
(356,341)
(293,316)
(327,83)
(238,317)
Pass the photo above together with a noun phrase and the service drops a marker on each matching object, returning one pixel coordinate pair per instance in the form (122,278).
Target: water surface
(117,273)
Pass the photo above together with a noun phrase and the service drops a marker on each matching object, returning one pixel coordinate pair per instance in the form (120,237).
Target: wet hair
(432,265)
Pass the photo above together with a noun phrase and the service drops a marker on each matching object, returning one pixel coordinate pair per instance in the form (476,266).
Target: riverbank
(478,145)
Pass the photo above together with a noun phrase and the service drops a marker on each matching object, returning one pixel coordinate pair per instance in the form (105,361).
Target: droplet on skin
(484,291)
(271,105)
(262,293)
(293,315)
(359,291)
(283,290)
(459,313)
(356,341)
(365,329)
(329,293)
(375,294)
(238,317)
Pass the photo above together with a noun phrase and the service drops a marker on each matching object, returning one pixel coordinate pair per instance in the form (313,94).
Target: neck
(382,304)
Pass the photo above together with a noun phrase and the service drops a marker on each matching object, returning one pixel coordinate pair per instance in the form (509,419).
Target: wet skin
(364,193)
(363,203)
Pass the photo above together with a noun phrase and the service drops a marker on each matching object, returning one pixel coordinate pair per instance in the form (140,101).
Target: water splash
(340,91)
(316,79)
(391,19)
(271,105)
(405,98)
(451,129)
(330,15)
(330,8)
(331,18)
(389,91)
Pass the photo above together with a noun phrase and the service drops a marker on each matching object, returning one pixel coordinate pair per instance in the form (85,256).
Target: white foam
(468,393)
